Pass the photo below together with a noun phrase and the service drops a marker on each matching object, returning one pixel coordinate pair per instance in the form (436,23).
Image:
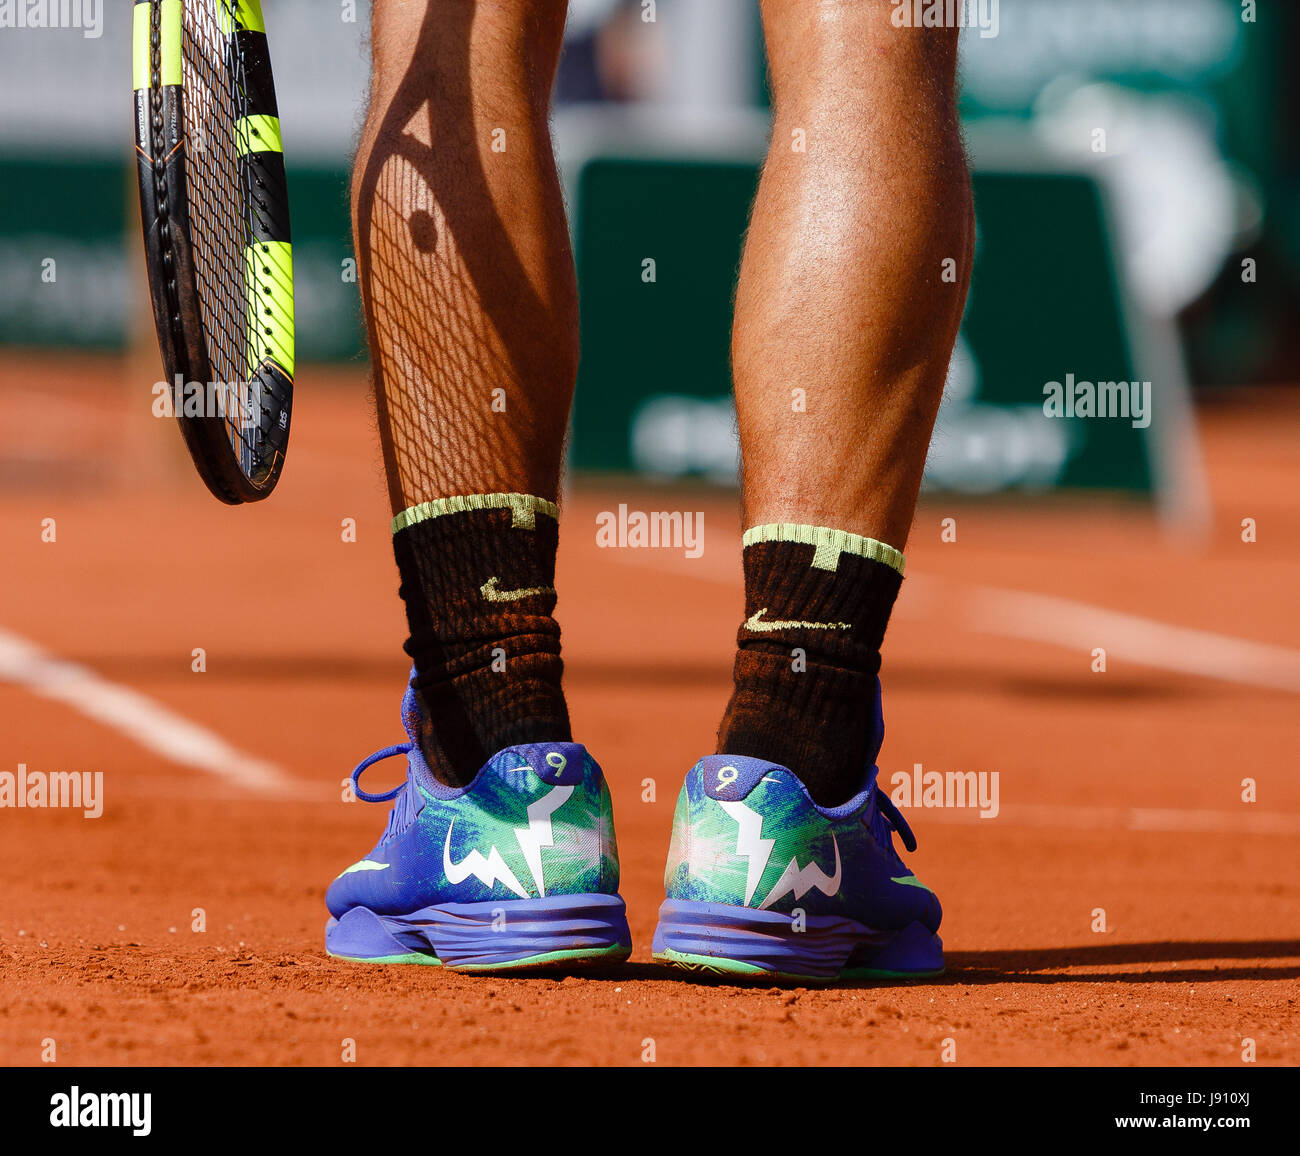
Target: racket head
(214,208)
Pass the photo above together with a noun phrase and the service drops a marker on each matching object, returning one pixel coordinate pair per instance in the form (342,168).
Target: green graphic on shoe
(759,842)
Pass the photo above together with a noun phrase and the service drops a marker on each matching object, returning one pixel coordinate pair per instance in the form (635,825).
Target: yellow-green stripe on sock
(523,508)
(830,544)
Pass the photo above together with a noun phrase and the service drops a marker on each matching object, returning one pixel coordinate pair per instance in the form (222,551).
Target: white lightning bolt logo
(801,880)
(749,844)
(538,833)
(489,871)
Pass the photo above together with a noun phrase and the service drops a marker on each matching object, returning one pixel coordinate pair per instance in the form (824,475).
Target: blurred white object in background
(1182,210)
(712,53)
(585,16)
(674,436)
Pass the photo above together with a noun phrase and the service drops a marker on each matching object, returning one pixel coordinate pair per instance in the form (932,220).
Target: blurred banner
(1137,180)
(654,377)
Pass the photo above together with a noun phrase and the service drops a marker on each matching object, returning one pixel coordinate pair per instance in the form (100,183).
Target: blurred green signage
(658,244)
(68,277)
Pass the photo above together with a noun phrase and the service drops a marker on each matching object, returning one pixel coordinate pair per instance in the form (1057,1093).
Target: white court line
(144,721)
(1064,622)
(1078,626)
(1244,822)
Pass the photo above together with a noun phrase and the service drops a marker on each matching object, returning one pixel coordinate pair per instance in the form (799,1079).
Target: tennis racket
(215,211)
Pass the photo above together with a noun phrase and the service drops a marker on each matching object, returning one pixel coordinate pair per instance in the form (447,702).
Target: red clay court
(1120,791)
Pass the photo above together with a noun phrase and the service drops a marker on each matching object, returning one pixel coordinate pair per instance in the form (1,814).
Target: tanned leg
(470,303)
(842,296)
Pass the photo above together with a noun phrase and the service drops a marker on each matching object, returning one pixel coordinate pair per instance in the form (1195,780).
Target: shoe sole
(513,935)
(738,969)
(741,942)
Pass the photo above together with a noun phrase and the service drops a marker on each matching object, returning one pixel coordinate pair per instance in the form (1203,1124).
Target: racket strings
(216,101)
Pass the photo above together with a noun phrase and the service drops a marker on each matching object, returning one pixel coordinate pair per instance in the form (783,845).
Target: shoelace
(387,753)
(886,811)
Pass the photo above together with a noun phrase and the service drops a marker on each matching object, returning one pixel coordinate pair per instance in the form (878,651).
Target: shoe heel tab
(730,778)
(555,763)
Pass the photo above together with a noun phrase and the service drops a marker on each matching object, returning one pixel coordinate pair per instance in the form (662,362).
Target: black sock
(817,602)
(478,581)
